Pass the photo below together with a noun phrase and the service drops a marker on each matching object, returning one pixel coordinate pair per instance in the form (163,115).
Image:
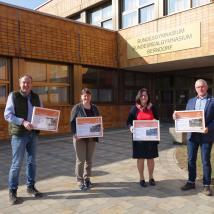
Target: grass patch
(181,156)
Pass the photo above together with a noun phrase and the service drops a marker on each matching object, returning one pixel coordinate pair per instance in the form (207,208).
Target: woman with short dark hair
(84,147)
(144,110)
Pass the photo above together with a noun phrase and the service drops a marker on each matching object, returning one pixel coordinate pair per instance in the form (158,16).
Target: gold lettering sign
(180,38)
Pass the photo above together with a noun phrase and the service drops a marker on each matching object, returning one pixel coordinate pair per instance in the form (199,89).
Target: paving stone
(116,181)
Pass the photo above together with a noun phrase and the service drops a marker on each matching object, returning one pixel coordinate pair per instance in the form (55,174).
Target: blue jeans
(192,148)
(21,144)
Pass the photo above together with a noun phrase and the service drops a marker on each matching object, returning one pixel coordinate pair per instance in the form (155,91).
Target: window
(101,16)
(173,6)
(100,82)
(4,79)
(50,81)
(137,11)
(132,82)
(76,17)
(177,5)
(196,3)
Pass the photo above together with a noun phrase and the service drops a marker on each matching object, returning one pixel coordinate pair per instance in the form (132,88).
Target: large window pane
(58,95)
(105,95)
(96,16)
(50,81)
(196,3)
(58,73)
(100,82)
(101,16)
(146,2)
(3,94)
(130,95)
(177,5)
(107,24)
(42,92)
(147,13)
(129,79)
(130,4)
(3,69)
(107,12)
(94,92)
(129,19)
(36,70)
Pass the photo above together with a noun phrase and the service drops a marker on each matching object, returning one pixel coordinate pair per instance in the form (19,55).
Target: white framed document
(190,121)
(87,127)
(146,130)
(45,119)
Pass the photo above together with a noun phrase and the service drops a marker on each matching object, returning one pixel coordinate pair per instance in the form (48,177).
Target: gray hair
(201,81)
(26,75)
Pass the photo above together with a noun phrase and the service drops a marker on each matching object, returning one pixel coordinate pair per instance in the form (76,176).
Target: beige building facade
(114,48)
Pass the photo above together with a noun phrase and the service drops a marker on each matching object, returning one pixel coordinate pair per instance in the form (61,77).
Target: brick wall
(31,35)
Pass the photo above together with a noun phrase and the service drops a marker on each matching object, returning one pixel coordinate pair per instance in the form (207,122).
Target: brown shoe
(188,186)
(207,191)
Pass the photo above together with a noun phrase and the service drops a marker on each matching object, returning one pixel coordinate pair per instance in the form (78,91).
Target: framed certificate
(190,121)
(45,119)
(88,127)
(146,130)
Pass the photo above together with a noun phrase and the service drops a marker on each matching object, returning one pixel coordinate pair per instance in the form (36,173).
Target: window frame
(7,82)
(48,84)
(99,86)
(166,12)
(136,9)
(103,19)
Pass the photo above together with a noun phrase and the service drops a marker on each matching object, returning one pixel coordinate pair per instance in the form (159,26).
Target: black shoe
(31,190)
(188,186)
(143,183)
(207,191)
(12,196)
(82,186)
(152,182)
(88,183)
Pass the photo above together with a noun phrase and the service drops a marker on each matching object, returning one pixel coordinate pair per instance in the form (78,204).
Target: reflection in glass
(58,95)
(42,92)
(107,24)
(167,97)
(129,19)
(58,73)
(3,68)
(146,2)
(96,16)
(129,79)
(105,95)
(146,14)
(94,94)
(177,5)
(130,95)
(182,97)
(107,12)
(196,3)
(36,70)
(2,93)
(129,4)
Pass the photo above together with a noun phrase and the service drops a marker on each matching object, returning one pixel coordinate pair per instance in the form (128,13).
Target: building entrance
(173,89)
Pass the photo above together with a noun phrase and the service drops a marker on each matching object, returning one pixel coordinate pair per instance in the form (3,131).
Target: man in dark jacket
(205,102)
(18,113)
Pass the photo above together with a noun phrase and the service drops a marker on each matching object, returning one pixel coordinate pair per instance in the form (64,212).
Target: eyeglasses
(201,86)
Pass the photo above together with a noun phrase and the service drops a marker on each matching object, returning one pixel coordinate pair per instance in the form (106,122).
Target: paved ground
(116,178)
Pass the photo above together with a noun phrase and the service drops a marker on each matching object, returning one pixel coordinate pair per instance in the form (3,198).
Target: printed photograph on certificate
(45,119)
(190,121)
(146,130)
(88,127)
